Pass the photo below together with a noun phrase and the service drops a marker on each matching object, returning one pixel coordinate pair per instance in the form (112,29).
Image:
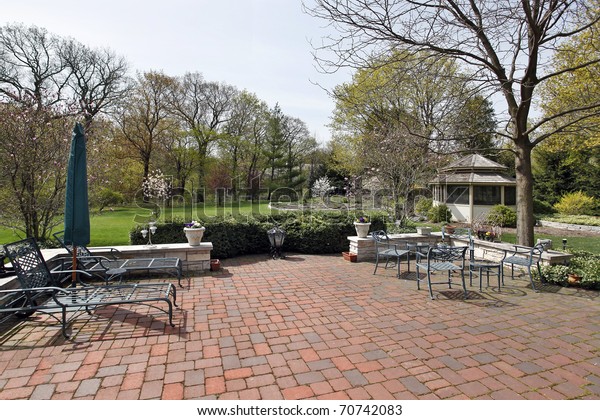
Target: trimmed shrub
(576,203)
(501,215)
(306,232)
(439,213)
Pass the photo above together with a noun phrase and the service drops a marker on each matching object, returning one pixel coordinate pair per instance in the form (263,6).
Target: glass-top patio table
(167,265)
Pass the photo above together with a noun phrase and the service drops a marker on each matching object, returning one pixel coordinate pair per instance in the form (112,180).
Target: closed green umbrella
(77,212)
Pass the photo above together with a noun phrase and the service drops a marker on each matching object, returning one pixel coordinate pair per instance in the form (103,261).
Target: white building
(471,186)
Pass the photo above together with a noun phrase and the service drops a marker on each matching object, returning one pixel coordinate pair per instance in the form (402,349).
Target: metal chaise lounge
(41,290)
(99,265)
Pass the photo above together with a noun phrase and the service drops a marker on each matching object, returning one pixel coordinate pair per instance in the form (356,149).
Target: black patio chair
(98,265)
(443,258)
(42,291)
(385,249)
(524,256)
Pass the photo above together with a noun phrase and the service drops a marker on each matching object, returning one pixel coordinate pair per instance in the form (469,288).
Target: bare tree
(31,72)
(507,45)
(399,160)
(97,78)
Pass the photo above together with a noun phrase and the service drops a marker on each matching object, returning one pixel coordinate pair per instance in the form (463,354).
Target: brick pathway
(316,327)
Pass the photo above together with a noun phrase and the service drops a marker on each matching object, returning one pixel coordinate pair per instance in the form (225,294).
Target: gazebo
(471,185)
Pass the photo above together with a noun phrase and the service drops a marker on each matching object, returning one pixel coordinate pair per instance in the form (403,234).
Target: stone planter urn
(194,235)
(424,230)
(362,229)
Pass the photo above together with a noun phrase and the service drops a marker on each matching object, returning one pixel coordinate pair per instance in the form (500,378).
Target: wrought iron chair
(385,249)
(443,258)
(456,233)
(40,290)
(98,265)
(481,266)
(524,256)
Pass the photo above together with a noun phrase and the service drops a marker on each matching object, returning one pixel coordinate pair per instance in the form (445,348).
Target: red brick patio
(316,327)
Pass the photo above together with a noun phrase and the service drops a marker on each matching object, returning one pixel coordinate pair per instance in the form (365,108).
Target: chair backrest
(536,252)
(29,264)
(447,253)
(457,233)
(381,239)
(82,251)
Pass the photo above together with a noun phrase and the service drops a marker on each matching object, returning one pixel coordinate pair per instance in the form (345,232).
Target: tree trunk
(525,219)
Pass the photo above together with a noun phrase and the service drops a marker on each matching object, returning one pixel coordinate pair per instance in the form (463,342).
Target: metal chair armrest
(114,253)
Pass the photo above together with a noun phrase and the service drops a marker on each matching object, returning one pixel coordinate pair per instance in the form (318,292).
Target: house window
(510,196)
(488,195)
(457,194)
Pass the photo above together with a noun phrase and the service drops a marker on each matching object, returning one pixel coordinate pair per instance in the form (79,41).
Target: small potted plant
(194,232)
(362,225)
(574,278)
(449,229)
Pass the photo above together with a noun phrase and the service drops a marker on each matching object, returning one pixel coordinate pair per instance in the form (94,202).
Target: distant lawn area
(112,227)
(580,243)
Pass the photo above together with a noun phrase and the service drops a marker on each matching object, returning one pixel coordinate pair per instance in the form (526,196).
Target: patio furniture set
(42,288)
(444,257)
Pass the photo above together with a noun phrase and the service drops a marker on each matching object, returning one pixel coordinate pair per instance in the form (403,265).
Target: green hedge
(306,232)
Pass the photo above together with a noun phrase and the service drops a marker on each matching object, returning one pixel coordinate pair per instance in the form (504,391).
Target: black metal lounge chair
(41,291)
(99,265)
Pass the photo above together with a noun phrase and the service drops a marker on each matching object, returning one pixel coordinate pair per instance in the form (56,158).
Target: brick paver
(316,327)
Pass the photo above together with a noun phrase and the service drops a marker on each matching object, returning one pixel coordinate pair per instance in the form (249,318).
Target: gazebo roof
(474,163)
(473,178)
(474,169)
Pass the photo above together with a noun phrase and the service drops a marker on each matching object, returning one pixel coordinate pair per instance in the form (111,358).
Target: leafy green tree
(203,108)
(569,161)
(506,47)
(142,119)
(241,145)
(393,113)
(275,148)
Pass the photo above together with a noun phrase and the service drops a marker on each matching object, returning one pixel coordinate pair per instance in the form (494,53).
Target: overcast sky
(262,46)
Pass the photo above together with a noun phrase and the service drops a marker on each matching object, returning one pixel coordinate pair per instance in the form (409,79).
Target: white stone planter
(362,229)
(424,230)
(194,235)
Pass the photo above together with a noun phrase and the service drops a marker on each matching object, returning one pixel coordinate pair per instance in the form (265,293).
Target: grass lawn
(112,227)
(580,243)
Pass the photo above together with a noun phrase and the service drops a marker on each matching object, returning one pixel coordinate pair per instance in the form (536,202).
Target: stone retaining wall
(568,226)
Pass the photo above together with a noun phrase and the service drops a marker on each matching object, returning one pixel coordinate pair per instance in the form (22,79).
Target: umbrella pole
(74,267)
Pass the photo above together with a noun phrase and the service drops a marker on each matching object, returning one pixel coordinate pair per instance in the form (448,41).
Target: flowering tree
(34,149)
(321,187)
(157,189)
